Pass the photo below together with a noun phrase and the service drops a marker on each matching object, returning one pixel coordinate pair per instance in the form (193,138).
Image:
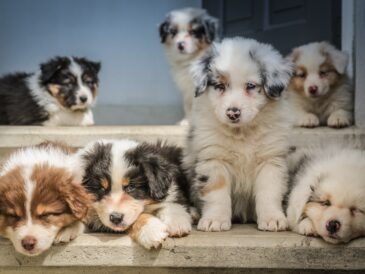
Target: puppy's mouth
(118,228)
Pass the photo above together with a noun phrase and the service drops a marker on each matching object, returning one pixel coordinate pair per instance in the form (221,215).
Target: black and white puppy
(138,187)
(187,34)
(236,147)
(61,93)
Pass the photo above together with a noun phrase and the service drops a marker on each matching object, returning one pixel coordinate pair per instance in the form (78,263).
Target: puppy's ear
(51,67)
(200,70)
(164,30)
(293,56)
(94,66)
(275,70)
(211,27)
(76,197)
(339,59)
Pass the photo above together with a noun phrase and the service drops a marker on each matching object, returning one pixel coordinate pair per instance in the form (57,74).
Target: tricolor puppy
(320,91)
(187,34)
(61,93)
(236,146)
(137,187)
(41,202)
(328,195)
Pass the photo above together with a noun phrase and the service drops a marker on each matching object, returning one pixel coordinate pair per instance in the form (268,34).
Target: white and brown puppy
(320,92)
(137,187)
(41,202)
(328,195)
(236,147)
(187,34)
(61,93)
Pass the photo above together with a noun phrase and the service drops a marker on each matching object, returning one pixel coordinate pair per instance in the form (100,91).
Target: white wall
(136,86)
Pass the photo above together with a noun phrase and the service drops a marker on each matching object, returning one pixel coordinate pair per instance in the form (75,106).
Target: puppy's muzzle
(116,218)
(333,226)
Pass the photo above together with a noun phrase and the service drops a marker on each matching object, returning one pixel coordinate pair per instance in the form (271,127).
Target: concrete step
(242,248)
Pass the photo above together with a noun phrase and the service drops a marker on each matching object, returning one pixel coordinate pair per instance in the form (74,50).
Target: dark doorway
(282,23)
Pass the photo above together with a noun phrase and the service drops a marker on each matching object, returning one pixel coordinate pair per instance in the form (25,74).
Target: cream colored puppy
(328,197)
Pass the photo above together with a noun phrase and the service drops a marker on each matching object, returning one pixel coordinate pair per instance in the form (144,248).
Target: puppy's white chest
(70,118)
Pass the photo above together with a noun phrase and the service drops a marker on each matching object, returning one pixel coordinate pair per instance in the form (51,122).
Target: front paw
(305,227)
(309,120)
(214,224)
(67,234)
(339,119)
(272,222)
(152,234)
(179,226)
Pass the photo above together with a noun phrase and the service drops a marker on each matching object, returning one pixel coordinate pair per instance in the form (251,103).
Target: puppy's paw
(272,222)
(305,227)
(88,119)
(339,119)
(152,234)
(179,226)
(309,120)
(67,234)
(184,122)
(214,224)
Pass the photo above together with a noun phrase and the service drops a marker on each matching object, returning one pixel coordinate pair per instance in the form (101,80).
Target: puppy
(320,91)
(140,188)
(186,34)
(328,195)
(41,202)
(59,94)
(236,146)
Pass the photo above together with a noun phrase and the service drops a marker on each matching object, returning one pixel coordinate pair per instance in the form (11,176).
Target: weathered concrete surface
(242,247)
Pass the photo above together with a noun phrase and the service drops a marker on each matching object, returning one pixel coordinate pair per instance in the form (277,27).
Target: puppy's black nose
(181,46)
(233,113)
(116,218)
(29,243)
(333,226)
(83,98)
(313,90)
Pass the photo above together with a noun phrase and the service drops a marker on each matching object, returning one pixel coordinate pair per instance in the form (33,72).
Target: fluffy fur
(320,91)
(137,187)
(236,145)
(186,35)
(328,195)
(61,93)
(41,202)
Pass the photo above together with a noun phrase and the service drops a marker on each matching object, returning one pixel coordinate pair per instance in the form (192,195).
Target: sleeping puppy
(186,34)
(236,146)
(41,202)
(139,188)
(320,91)
(328,195)
(61,93)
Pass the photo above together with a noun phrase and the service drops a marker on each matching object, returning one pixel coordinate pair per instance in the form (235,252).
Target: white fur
(153,233)
(335,172)
(176,218)
(331,106)
(248,155)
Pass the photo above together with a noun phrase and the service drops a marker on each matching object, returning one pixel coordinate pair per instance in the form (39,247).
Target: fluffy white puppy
(186,34)
(328,195)
(236,146)
(320,91)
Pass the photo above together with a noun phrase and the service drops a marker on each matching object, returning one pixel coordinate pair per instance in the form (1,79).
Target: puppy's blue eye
(250,86)
(220,87)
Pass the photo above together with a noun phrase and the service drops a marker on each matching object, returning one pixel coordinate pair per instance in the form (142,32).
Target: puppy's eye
(325,203)
(12,216)
(89,82)
(129,188)
(355,210)
(250,86)
(221,87)
(173,31)
(299,74)
(323,73)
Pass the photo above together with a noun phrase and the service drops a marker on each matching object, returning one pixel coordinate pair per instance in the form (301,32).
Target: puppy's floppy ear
(51,67)
(275,70)
(164,30)
(94,67)
(339,58)
(211,27)
(76,197)
(200,70)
